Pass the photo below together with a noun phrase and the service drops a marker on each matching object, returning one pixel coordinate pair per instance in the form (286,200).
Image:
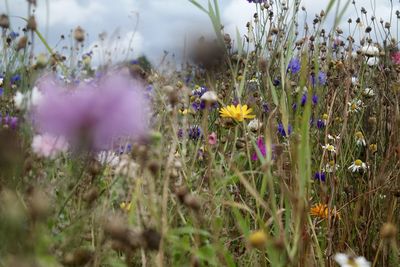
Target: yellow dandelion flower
(125,206)
(238,113)
(321,210)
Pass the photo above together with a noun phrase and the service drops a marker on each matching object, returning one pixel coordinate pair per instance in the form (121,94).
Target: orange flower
(322,211)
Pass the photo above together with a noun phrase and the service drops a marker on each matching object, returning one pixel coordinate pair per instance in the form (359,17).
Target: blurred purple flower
(320,176)
(315,99)
(96,115)
(294,65)
(320,124)
(282,131)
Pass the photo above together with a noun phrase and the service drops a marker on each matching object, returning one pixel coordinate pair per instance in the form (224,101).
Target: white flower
(108,158)
(1,81)
(372,61)
(357,166)
(330,167)
(354,80)
(368,92)
(360,140)
(209,96)
(345,261)
(333,137)
(370,50)
(254,125)
(329,148)
(127,167)
(19,100)
(355,105)
(49,146)
(29,99)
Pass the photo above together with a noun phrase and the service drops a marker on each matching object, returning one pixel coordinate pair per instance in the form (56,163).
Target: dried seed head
(181,192)
(91,195)
(388,231)
(192,202)
(4,21)
(79,257)
(151,239)
(32,2)
(22,42)
(38,203)
(79,34)
(31,24)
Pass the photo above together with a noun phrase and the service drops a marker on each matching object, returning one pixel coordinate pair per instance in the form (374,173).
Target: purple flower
(303,100)
(1,91)
(10,121)
(315,99)
(294,65)
(282,131)
(194,132)
(320,124)
(180,133)
(320,176)
(261,146)
(276,82)
(321,79)
(96,115)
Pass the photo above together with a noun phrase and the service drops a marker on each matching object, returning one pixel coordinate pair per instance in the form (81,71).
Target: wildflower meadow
(277,146)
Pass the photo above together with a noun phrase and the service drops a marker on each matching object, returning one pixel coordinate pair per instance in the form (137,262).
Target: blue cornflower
(320,176)
(294,65)
(315,99)
(282,131)
(199,91)
(194,132)
(321,79)
(320,124)
(1,91)
(303,100)
(276,82)
(16,78)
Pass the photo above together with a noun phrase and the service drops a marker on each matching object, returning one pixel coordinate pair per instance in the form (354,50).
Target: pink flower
(261,146)
(95,115)
(49,146)
(396,58)
(212,138)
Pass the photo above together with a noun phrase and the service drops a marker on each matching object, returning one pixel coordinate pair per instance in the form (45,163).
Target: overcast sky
(162,24)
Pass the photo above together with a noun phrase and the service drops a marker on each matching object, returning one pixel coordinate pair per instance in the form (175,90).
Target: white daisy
(360,140)
(333,137)
(209,96)
(254,125)
(108,158)
(357,166)
(329,148)
(330,167)
(368,92)
(346,261)
(355,105)
(372,61)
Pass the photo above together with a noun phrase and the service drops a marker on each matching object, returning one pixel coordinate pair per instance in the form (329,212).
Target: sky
(150,27)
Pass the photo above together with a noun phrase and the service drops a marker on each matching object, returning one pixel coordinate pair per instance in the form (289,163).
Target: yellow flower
(321,210)
(258,239)
(125,206)
(238,113)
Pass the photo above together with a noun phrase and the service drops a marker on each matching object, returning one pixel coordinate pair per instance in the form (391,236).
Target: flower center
(358,162)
